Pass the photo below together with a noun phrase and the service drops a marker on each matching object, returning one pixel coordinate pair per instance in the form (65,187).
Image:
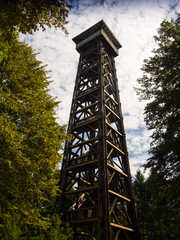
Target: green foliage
(158,199)
(158,209)
(27,16)
(10,228)
(30,139)
(160,84)
(14,229)
(143,204)
(56,231)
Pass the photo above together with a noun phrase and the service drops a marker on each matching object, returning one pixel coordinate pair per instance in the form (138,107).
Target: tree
(27,16)
(160,85)
(158,216)
(143,199)
(30,137)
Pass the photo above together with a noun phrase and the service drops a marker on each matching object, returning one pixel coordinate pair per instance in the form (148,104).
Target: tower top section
(100,29)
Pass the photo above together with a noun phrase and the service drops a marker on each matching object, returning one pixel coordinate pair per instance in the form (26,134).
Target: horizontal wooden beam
(83,142)
(114,146)
(85,121)
(84,93)
(121,227)
(80,190)
(119,195)
(89,67)
(80,221)
(82,209)
(114,168)
(83,165)
(87,107)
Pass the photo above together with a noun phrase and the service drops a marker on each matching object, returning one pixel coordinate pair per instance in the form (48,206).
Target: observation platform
(100,29)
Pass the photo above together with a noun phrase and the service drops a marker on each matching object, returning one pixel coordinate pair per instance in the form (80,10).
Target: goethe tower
(97,199)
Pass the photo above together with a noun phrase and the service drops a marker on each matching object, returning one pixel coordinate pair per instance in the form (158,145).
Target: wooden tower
(97,198)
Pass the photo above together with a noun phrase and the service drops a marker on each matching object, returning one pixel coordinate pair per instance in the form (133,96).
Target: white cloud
(134,23)
(136,163)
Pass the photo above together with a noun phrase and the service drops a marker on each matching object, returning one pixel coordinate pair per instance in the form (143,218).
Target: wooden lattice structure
(97,198)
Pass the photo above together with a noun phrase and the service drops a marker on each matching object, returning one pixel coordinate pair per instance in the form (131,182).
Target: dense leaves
(16,230)
(161,85)
(157,207)
(30,137)
(158,199)
(27,16)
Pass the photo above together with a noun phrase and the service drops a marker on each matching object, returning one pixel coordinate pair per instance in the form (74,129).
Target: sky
(134,23)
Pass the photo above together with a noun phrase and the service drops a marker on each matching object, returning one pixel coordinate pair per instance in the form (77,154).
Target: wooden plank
(82,180)
(80,190)
(85,121)
(81,209)
(112,175)
(113,128)
(115,147)
(112,111)
(106,36)
(111,97)
(79,221)
(122,227)
(84,142)
(89,67)
(90,90)
(83,165)
(119,195)
(87,107)
(114,168)
(117,235)
(109,154)
(113,205)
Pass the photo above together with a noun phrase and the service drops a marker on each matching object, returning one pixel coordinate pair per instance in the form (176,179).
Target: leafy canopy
(157,207)
(30,137)
(161,85)
(27,16)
